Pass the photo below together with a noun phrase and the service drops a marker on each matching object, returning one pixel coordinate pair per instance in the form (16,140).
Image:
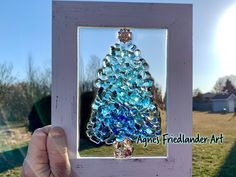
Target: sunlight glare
(226,41)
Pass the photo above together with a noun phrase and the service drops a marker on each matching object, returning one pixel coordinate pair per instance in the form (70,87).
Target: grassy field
(13,147)
(215,160)
(209,160)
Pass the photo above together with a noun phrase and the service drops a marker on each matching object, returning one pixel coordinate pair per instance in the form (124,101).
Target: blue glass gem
(149,131)
(107,70)
(148,83)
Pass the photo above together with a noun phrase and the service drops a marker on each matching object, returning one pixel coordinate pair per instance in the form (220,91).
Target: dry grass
(214,123)
(12,136)
(214,160)
(13,142)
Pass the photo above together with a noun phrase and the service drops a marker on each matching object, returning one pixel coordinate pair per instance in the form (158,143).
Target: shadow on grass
(228,169)
(13,158)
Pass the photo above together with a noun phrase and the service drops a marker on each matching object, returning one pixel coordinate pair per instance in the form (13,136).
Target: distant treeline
(17,97)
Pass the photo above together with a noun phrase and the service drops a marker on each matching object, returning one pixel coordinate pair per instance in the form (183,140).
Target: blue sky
(25,29)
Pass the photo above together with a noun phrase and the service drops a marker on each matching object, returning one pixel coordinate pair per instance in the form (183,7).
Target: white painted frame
(177,18)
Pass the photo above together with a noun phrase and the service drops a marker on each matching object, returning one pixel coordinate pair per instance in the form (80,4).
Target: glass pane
(140,70)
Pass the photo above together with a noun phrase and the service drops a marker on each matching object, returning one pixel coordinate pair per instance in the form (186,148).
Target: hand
(47,154)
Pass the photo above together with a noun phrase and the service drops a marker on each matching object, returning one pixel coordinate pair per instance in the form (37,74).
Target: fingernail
(57,132)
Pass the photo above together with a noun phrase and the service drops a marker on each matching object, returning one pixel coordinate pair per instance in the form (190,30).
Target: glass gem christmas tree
(123,108)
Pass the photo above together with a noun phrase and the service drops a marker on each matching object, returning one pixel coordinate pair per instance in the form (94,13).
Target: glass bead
(148,83)
(94,139)
(137,53)
(145,66)
(98,134)
(138,120)
(95,106)
(114,61)
(134,98)
(147,75)
(146,102)
(101,75)
(152,108)
(90,125)
(106,134)
(155,120)
(108,57)
(119,138)
(142,74)
(115,67)
(89,132)
(117,45)
(101,92)
(105,111)
(158,132)
(149,131)
(107,71)
(131,55)
(105,85)
(93,119)
(124,53)
(113,51)
(131,47)
(98,83)
(106,62)
(117,52)
(100,72)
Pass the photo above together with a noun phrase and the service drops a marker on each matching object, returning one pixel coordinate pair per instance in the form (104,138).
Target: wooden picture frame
(177,18)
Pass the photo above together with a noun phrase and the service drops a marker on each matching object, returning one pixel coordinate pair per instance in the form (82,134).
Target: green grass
(209,160)
(13,147)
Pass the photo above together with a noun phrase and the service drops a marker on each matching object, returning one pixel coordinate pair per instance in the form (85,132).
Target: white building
(224,103)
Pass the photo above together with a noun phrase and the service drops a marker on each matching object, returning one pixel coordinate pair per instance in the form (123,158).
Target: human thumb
(58,153)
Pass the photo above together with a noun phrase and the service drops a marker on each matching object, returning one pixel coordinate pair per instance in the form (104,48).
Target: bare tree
(81,75)
(91,73)
(196,92)
(221,83)
(6,79)
(39,82)
(229,87)
(17,98)
(197,95)
(157,96)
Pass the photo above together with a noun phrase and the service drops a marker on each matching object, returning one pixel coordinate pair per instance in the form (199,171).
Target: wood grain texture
(177,18)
